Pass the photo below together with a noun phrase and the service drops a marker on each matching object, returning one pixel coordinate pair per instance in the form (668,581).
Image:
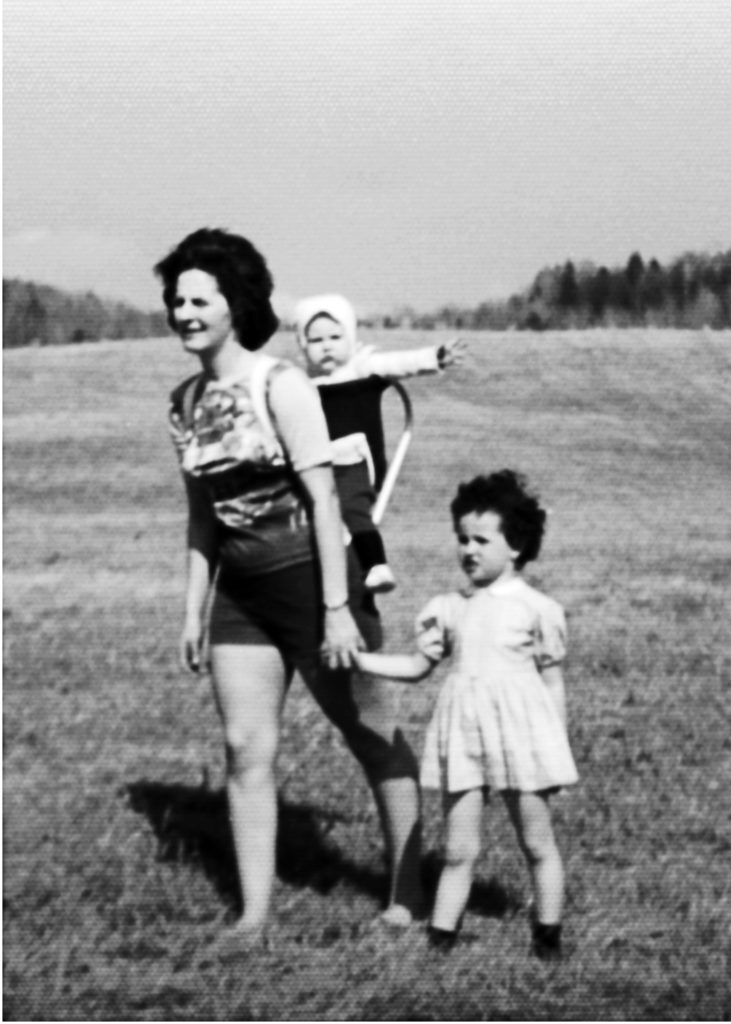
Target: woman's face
(201,313)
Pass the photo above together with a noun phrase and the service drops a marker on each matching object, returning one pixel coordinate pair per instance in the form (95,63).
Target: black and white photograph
(366,490)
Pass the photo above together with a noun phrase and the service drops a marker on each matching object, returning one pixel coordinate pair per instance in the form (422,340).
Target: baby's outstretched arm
(406,668)
(411,362)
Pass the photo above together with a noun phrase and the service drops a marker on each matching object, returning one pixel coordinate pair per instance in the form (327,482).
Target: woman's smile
(202,314)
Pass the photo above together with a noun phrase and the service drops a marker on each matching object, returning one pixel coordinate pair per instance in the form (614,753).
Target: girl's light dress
(495,723)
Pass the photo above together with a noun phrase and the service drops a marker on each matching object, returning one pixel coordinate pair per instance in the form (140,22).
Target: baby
(351,379)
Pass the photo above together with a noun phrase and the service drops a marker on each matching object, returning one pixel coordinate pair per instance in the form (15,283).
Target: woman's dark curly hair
(242,275)
(505,493)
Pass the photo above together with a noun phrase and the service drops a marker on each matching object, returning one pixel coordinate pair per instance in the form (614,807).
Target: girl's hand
(451,353)
(191,645)
(342,639)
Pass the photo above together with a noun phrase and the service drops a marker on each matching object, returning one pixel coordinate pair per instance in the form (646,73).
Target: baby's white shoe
(380,579)
(396,916)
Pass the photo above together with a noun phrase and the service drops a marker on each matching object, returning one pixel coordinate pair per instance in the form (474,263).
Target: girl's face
(484,553)
(327,344)
(201,313)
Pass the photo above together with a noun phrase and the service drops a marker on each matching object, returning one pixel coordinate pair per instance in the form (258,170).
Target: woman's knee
(250,753)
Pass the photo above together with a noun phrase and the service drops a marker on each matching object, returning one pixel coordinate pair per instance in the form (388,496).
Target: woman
(264,532)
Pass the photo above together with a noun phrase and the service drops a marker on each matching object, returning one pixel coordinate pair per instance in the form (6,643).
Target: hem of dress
(554,787)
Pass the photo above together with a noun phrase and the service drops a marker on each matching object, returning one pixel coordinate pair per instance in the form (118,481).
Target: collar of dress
(493,589)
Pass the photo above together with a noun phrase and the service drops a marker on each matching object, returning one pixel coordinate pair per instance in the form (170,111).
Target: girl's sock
(547,941)
(441,938)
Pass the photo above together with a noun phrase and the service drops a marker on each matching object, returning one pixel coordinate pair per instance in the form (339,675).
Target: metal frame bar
(394,466)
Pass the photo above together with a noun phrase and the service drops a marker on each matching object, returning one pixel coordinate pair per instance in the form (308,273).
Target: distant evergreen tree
(35,325)
(634,273)
(677,285)
(598,293)
(568,288)
(654,286)
(724,289)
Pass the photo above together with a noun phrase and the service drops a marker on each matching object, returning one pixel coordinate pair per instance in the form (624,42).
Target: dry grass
(118,869)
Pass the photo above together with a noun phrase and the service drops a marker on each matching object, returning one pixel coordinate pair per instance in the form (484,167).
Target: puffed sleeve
(550,634)
(433,638)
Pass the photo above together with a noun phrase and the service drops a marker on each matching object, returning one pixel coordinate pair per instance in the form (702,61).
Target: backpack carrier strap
(265,369)
(190,392)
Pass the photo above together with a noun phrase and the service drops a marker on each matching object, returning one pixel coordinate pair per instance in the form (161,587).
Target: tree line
(692,291)
(36,314)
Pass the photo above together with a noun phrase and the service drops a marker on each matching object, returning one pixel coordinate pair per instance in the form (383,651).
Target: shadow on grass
(488,898)
(191,826)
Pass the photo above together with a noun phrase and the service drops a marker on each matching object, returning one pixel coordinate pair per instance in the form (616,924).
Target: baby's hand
(451,353)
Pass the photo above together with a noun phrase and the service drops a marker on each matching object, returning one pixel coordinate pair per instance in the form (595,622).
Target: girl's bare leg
(249,685)
(463,813)
(531,817)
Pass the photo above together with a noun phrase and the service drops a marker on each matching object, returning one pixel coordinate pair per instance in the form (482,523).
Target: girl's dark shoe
(546,941)
(441,938)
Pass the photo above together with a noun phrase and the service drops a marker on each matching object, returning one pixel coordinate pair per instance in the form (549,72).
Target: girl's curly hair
(505,493)
(242,275)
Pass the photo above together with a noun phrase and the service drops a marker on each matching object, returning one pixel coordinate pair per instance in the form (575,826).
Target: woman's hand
(191,645)
(342,639)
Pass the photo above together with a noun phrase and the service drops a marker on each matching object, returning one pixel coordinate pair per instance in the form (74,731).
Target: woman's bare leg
(399,808)
(363,709)
(249,684)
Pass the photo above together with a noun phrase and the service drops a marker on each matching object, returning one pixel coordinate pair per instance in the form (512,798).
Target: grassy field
(117,865)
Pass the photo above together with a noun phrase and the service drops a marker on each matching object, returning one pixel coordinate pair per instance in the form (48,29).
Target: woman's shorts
(284,608)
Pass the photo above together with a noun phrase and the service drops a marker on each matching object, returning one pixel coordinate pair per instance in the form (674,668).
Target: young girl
(500,720)
(351,378)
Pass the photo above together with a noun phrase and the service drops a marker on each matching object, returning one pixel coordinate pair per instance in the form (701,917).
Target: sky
(402,152)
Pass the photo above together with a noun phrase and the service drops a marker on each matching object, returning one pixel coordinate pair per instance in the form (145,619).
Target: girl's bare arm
(553,678)
(406,668)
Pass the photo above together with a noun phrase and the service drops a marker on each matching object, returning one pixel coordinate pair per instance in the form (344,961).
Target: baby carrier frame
(396,461)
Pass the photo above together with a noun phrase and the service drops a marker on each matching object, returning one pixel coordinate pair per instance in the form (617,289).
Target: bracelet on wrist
(336,607)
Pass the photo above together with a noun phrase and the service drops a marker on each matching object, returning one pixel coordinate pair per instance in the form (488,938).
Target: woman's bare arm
(342,638)
(201,555)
